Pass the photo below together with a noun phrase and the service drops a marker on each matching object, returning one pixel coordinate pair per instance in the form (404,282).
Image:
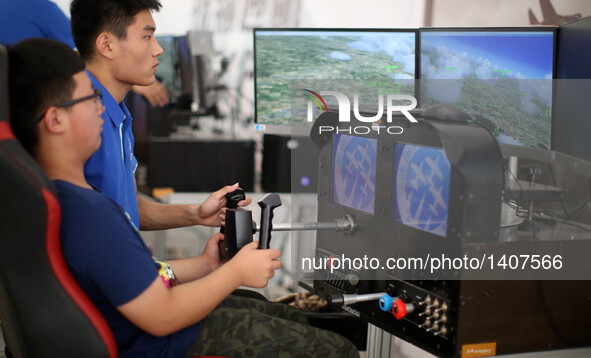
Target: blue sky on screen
(512,54)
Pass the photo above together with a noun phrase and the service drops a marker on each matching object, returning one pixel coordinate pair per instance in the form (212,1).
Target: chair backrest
(44,312)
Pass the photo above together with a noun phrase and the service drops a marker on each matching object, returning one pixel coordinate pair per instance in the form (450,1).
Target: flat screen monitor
(570,132)
(354,172)
(284,55)
(501,77)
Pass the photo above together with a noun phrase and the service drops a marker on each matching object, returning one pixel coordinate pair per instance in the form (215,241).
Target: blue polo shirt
(111,168)
(25,19)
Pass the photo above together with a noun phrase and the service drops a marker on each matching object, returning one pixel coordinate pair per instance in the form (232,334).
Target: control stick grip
(235,197)
(267,204)
(232,200)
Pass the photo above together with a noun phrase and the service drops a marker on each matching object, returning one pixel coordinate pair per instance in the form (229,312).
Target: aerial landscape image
(502,79)
(282,57)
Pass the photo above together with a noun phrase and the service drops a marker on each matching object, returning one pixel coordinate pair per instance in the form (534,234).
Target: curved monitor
(354,172)
(501,77)
(284,55)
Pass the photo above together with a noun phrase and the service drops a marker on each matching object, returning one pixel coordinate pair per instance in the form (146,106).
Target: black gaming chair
(44,312)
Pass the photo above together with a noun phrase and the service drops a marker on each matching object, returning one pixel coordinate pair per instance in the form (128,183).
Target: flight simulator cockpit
(451,167)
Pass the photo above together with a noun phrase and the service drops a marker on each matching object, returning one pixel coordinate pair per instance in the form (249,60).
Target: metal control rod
(345,224)
(305,226)
(349,299)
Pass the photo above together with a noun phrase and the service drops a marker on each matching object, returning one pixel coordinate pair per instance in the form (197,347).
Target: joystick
(239,226)
(267,204)
(232,200)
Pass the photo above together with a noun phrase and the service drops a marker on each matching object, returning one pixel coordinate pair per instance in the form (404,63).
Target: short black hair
(91,17)
(40,75)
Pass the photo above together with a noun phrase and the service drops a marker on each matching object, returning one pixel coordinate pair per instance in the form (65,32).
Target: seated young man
(154,309)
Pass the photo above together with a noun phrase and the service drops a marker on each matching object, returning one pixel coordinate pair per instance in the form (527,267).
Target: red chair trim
(5,131)
(58,264)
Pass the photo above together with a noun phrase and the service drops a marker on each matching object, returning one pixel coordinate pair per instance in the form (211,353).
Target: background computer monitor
(501,77)
(185,77)
(167,70)
(284,55)
(175,71)
(204,78)
(185,70)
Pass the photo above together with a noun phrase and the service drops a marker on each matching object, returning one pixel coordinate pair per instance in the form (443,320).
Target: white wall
(499,12)
(364,14)
(177,16)
(64,5)
(173,19)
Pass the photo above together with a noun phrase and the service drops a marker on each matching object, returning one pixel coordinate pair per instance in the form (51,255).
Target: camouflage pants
(245,327)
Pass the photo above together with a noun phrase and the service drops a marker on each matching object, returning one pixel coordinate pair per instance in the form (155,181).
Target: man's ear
(104,44)
(53,120)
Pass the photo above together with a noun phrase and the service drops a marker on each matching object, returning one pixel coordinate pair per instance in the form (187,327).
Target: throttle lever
(267,204)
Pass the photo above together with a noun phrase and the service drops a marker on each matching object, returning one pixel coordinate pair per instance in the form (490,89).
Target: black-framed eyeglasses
(97,95)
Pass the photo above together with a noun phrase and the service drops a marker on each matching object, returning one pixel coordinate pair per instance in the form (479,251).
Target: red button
(399,309)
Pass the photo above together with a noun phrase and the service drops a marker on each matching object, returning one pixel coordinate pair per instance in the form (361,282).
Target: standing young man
(154,309)
(116,40)
(26,19)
